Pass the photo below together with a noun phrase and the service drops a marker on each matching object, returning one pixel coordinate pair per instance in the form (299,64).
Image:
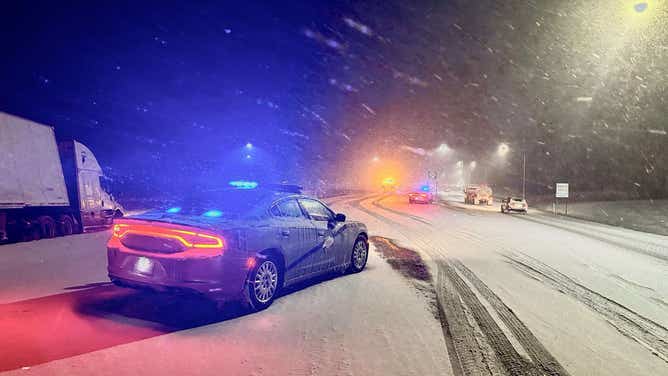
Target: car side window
(275,211)
(316,210)
(287,208)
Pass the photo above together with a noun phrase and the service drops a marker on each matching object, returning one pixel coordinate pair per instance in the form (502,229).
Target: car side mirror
(340,217)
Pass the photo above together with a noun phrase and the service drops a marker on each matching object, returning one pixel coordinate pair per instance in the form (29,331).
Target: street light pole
(524,175)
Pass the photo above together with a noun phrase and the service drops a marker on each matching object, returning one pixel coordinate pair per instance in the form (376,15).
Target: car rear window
(220,203)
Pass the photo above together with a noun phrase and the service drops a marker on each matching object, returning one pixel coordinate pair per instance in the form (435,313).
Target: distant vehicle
(514,204)
(48,189)
(389,185)
(235,244)
(478,194)
(424,196)
(420,197)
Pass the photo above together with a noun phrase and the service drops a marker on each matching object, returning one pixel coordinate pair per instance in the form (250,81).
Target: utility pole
(524,175)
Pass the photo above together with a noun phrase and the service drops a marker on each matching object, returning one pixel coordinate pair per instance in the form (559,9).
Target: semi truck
(478,194)
(48,188)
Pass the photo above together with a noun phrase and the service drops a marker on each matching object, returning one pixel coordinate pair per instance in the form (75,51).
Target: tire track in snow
(357,204)
(503,353)
(377,204)
(459,209)
(648,333)
(538,353)
(466,356)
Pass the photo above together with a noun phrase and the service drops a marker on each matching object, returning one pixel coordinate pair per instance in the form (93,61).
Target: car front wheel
(263,284)
(359,255)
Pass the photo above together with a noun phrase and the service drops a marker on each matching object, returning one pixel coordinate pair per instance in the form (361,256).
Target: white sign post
(561,191)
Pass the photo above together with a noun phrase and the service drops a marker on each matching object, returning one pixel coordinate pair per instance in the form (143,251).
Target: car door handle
(285,233)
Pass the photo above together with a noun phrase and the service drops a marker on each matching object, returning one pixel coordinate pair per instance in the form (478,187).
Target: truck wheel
(27,230)
(31,233)
(66,225)
(47,227)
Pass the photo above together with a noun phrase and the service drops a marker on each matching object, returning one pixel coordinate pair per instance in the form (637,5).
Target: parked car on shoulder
(514,204)
(245,244)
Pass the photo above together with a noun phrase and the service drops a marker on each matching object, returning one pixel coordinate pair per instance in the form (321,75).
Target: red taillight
(119,229)
(189,239)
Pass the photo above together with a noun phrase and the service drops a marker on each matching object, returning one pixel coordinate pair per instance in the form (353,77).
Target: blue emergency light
(213,214)
(243,184)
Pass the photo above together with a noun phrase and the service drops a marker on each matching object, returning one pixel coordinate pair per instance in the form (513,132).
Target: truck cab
(86,186)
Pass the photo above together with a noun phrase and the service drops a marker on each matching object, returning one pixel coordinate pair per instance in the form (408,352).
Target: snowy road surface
(520,295)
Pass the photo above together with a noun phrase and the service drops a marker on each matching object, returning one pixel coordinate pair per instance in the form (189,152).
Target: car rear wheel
(359,255)
(264,283)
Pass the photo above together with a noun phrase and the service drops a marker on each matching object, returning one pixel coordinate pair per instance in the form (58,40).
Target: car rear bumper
(517,209)
(218,277)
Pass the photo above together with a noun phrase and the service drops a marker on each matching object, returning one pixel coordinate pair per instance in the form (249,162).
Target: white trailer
(46,188)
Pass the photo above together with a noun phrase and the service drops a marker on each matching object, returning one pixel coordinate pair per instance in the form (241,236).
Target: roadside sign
(561,191)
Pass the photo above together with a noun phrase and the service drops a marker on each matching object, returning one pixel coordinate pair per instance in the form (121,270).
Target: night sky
(168,94)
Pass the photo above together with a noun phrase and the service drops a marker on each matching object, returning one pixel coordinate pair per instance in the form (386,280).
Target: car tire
(264,282)
(359,255)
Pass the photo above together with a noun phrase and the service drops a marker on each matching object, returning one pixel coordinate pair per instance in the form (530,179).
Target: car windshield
(334,187)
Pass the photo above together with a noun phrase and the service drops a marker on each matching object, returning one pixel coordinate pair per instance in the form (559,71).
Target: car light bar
(243,184)
(189,239)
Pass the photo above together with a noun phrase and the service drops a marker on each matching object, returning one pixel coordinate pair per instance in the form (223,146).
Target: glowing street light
(641,13)
(503,149)
(375,159)
(640,6)
(442,149)
(473,165)
(249,145)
